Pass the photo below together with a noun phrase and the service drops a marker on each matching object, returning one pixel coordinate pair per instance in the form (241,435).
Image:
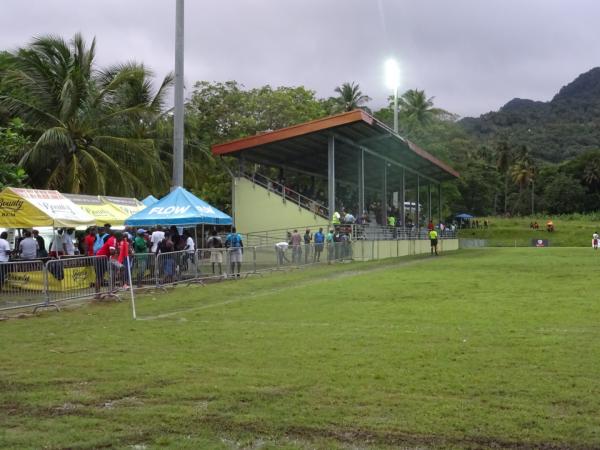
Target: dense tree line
(67,124)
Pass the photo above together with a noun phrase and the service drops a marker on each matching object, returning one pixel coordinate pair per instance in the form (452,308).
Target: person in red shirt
(430,226)
(123,259)
(101,261)
(89,241)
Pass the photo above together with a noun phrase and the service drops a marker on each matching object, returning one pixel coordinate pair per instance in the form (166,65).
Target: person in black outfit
(42,252)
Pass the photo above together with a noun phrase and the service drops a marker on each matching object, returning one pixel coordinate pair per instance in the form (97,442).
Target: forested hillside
(560,129)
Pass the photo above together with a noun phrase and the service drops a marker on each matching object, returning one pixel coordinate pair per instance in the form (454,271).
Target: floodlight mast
(178,110)
(392,81)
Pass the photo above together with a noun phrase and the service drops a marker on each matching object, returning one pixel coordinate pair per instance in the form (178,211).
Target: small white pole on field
(131,288)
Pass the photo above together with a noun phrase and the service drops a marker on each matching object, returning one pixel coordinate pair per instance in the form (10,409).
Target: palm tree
(84,122)
(591,173)
(350,97)
(417,109)
(504,158)
(523,173)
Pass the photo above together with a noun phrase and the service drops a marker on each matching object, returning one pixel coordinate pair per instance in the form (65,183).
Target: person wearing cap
(140,249)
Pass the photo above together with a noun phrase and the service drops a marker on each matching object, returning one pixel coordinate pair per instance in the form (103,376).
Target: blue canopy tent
(180,207)
(150,200)
(464,216)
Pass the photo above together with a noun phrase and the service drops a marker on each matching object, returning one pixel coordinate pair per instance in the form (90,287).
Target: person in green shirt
(330,246)
(433,237)
(140,248)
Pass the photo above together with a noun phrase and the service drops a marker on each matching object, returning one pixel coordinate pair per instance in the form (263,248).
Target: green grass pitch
(475,349)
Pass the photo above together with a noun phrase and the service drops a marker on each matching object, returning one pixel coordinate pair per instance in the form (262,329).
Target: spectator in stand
(349,218)
(430,225)
(157,237)
(102,260)
(4,256)
(319,242)
(69,238)
(57,247)
(89,241)
(296,240)
(235,246)
(42,252)
(307,241)
(28,246)
(140,249)
(215,245)
(335,219)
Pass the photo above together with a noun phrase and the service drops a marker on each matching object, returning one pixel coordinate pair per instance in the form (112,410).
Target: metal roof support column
(331,175)
(439,202)
(429,216)
(418,206)
(361,184)
(384,199)
(403,198)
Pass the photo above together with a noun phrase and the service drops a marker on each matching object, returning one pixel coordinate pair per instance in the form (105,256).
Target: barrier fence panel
(22,284)
(143,270)
(176,267)
(71,278)
(211,263)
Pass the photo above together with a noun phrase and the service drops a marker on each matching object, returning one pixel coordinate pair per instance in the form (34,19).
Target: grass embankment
(508,232)
(481,348)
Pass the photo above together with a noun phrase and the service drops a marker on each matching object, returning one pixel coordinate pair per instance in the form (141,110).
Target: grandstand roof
(303,147)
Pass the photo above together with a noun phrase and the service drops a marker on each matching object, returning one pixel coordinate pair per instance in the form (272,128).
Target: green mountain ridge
(554,131)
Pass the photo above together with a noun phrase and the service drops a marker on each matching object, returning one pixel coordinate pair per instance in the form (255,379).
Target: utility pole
(178,111)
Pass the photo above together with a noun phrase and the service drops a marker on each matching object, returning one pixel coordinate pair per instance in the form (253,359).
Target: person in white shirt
(157,236)
(595,238)
(280,249)
(4,256)
(57,248)
(190,250)
(68,242)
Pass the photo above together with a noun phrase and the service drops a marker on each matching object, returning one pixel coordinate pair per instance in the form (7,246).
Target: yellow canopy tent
(99,209)
(129,206)
(27,208)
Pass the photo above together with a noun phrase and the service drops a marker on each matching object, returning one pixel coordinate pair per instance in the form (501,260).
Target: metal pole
(178,111)
(418,206)
(429,217)
(403,198)
(384,196)
(331,174)
(396,110)
(439,202)
(361,184)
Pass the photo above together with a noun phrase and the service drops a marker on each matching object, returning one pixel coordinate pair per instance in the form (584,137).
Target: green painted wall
(257,209)
(367,250)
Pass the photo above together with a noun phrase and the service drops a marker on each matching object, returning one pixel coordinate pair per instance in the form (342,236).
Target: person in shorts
(215,245)
(433,238)
(235,246)
(319,242)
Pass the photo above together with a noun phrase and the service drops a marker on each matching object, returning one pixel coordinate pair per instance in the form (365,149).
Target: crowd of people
(115,250)
(308,247)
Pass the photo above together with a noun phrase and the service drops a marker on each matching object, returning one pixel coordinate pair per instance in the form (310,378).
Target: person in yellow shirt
(433,237)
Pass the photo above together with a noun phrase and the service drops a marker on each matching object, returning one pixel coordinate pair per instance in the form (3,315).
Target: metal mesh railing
(35,283)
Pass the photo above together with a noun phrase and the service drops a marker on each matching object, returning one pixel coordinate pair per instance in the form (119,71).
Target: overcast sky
(472,55)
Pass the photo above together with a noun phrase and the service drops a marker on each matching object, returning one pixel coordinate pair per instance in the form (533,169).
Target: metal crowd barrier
(38,284)
(22,284)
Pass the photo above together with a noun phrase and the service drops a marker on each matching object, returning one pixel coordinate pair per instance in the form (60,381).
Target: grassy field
(476,349)
(506,232)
